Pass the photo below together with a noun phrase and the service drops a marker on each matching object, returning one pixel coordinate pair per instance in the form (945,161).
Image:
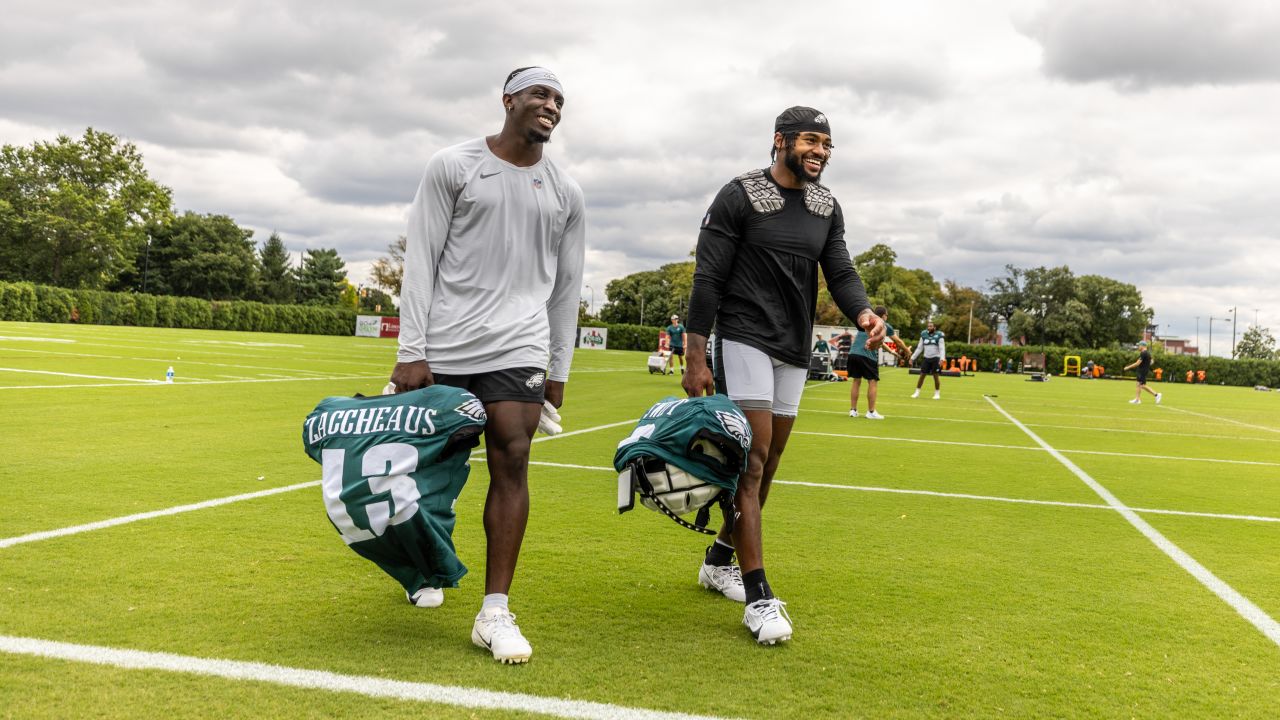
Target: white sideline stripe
(1215,417)
(1094,428)
(112,522)
(157,383)
(333,682)
(1038,449)
(65,374)
(1241,604)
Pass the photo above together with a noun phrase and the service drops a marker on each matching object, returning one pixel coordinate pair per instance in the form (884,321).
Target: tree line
(85,214)
(1041,306)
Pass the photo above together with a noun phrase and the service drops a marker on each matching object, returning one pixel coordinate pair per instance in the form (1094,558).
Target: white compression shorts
(756,381)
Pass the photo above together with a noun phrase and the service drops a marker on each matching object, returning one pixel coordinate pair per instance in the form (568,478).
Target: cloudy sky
(1132,139)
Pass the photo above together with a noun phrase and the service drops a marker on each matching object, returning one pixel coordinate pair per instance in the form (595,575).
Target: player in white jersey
(489,303)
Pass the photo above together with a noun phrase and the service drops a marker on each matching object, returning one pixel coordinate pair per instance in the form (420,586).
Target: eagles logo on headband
(529,77)
(800,119)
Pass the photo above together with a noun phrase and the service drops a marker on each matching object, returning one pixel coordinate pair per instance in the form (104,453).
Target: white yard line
(17,338)
(1229,420)
(368,686)
(190,383)
(1255,615)
(112,522)
(172,360)
(1033,448)
(78,375)
(957,496)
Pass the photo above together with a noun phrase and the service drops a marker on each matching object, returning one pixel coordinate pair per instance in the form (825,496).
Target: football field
(1014,549)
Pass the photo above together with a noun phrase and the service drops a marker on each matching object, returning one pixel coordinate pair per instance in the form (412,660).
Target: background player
(864,363)
(519,226)
(675,335)
(756,281)
(1143,364)
(933,345)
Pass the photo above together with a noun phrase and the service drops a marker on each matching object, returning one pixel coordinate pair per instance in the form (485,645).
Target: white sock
(498,600)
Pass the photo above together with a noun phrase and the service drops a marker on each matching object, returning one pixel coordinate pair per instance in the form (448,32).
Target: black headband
(800,119)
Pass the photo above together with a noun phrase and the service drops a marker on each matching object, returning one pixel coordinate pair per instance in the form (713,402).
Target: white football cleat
(724,579)
(853,413)
(916,394)
(768,621)
(873,415)
(937,395)
(495,630)
(426,597)
(1135,401)
(1158,397)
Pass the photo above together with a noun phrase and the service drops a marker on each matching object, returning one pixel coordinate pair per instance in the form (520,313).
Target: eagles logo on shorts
(535,380)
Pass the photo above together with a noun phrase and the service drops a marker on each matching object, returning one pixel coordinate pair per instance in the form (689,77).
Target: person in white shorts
(756,280)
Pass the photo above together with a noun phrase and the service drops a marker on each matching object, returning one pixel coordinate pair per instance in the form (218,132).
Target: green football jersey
(392,467)
(668,430)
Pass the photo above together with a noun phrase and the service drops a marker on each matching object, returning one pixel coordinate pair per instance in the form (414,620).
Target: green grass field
(940,563)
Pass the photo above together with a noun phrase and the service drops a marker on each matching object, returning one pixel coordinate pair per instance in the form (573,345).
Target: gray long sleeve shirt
(493,265)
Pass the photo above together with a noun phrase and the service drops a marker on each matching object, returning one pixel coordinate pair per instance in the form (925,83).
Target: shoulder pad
(819,200)
(764,195)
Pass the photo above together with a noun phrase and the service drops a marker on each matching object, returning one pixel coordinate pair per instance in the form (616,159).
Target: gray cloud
(1152,43)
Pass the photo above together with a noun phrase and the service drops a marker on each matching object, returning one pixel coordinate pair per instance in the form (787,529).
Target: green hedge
(1218,371)
(25,302)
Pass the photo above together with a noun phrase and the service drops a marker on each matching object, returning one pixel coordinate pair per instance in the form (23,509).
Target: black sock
(756,586)
(719,554)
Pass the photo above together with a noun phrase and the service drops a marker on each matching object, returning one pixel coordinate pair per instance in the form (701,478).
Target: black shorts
(1142,377)
(677,350)
(930,366)
(526,384)
(861,366)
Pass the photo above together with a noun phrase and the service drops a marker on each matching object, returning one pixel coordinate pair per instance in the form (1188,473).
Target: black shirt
(756,277)
(1144,361)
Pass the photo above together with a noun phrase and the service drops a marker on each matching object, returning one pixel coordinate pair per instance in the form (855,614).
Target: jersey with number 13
(393,466)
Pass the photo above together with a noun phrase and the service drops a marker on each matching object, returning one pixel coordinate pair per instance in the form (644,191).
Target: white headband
(530,77)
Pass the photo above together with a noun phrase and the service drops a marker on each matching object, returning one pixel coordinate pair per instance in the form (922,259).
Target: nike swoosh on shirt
(483,176)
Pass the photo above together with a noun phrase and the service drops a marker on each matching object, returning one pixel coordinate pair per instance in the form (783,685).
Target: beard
(537,137)
(796,165)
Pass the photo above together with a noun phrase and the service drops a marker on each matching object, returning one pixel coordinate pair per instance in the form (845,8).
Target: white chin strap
(532,76)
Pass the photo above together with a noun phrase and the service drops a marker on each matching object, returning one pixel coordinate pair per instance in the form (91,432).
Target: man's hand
(549,420)
(873,326)
(697,380)
(554,393)
(412,376)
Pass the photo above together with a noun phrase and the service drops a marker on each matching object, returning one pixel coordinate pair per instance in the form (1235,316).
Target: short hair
(881,310)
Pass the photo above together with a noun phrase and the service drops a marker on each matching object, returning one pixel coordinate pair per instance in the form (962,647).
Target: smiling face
(806,157)
(534,112)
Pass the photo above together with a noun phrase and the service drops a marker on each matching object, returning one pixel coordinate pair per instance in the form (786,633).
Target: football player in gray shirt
(489,303)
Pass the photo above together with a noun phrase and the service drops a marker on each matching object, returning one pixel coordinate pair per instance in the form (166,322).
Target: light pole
(1197,335)
(592,304)
(1234,315)
(146,264)
(969,340)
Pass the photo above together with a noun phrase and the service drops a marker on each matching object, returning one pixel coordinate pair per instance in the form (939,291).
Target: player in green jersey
(392,468)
